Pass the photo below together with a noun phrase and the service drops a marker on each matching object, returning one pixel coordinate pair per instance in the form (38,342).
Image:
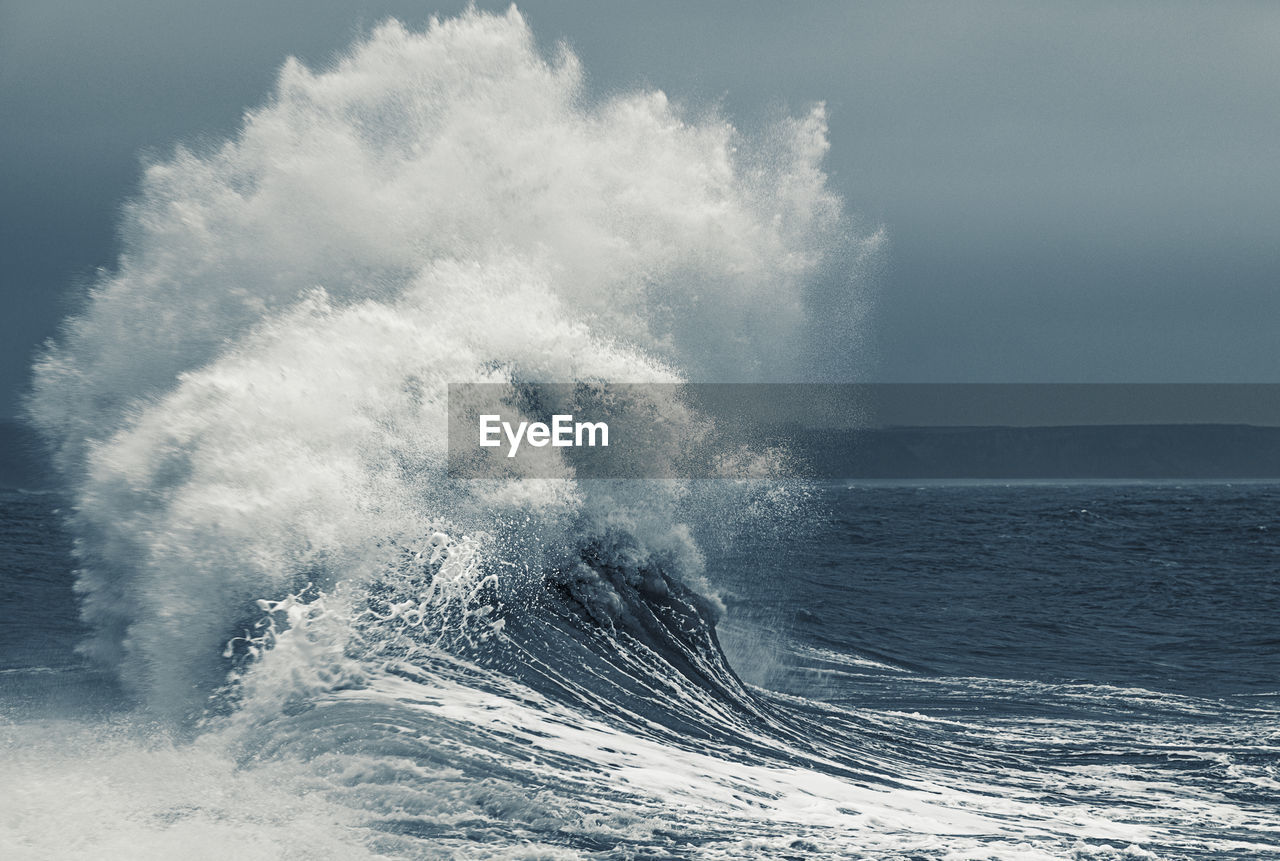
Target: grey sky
(1081,192)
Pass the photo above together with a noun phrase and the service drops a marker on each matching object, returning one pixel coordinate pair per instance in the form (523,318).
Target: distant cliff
(1095,451)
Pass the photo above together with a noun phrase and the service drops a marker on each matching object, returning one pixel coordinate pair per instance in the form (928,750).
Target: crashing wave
(254,398)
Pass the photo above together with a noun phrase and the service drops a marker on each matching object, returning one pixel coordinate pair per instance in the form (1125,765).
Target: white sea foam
(254,397)
(109,790)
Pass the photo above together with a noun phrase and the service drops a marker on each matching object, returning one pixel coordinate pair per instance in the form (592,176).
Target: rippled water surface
(975,671)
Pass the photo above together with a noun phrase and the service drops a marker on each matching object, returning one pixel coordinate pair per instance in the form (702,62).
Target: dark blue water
(40,671)
(1170,587)
(1173,588)
(1104,651)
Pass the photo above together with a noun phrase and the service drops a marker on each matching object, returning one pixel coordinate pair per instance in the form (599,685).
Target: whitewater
(325,647)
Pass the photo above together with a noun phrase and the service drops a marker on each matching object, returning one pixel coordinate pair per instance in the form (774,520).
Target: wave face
(254,399)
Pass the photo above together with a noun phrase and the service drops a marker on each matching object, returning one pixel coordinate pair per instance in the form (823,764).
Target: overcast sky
(1073,192)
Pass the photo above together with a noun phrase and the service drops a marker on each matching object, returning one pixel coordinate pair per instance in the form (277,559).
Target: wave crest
(254,398)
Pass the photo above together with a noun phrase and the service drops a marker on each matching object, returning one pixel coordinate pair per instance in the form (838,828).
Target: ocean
(259,618)
(945,670)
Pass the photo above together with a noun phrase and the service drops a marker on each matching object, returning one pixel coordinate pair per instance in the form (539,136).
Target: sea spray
(253,398)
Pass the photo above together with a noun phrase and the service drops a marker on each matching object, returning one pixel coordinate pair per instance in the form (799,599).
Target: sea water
(257,619)
(938,671)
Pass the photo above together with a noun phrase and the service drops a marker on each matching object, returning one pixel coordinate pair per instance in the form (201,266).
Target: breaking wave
(254,398)
(250,415)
